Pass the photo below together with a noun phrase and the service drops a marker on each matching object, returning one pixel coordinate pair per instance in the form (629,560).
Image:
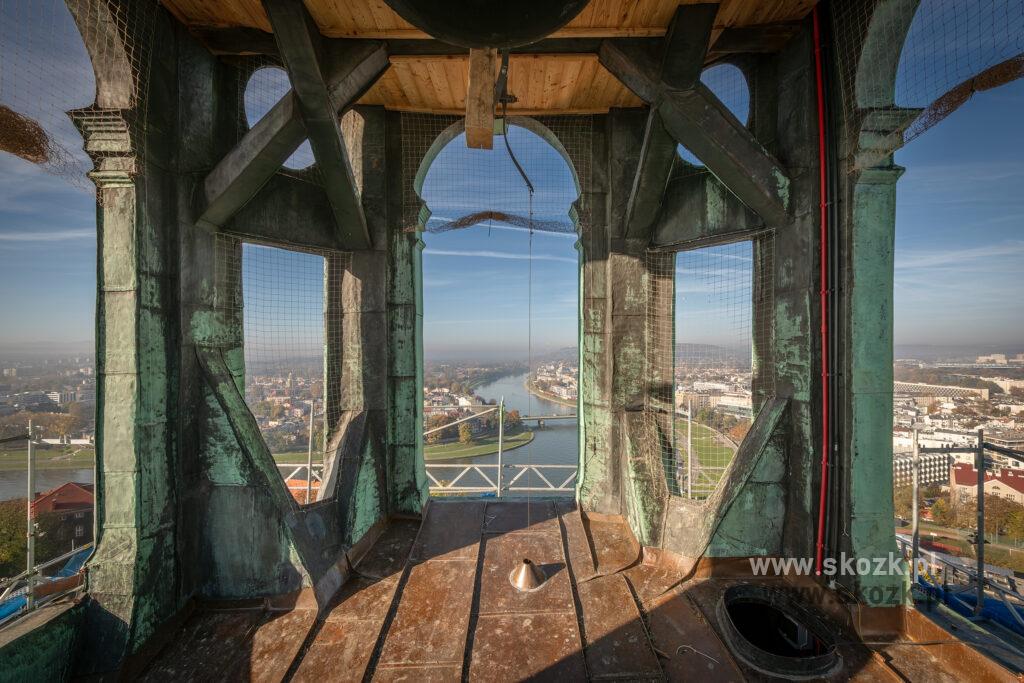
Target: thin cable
(526,179)
(529,335)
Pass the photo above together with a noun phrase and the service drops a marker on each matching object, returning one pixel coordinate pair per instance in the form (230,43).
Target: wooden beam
(760,39)
(512,111)
(686,45)
(480,98)
(652,173)
(682,58)
(268,144)
(701,123)
(763,38)
(299,43)
(564,32)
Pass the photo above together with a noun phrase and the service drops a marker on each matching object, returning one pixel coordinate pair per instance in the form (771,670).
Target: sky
(959,236)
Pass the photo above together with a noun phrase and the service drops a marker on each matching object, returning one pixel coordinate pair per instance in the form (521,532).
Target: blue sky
(960,227)
(477,299)
(960,223)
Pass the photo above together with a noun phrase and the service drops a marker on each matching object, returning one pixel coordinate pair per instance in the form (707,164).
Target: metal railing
(34,589)
(978,578)
(304,485)
(955,576)
(500,480)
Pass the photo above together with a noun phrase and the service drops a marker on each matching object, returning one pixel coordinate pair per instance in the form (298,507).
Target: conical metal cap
(527,576)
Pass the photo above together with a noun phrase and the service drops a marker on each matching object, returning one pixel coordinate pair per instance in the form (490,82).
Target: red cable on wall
(823,293)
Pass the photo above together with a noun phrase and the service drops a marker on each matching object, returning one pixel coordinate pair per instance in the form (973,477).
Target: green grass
(297,458)
(708,448)
(47,459)
(999,554)
(481,446)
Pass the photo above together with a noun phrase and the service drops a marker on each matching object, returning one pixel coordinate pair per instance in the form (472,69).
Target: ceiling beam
(682,59)
(695,118)
(686,45)
(700,122)
(480,98)
(760,39)
(764,38)
(299,43)
(270,141)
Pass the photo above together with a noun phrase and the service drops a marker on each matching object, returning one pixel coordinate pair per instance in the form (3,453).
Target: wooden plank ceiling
(544,83)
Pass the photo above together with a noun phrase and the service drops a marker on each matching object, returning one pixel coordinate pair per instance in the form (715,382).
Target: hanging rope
(504,98)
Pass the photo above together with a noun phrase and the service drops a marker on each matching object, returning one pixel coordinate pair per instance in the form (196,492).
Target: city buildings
(933,469)
(1005,482)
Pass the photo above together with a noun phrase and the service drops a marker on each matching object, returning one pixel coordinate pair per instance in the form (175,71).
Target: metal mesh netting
(476,204)
(709,311)
(491,190)
(953,49)
(46,72)
(729,85)
(277,295)
(263,83)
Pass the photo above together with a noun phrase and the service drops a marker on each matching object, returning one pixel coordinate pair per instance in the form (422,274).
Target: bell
(527,576)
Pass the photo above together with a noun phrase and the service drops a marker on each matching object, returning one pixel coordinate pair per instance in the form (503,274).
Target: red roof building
(1005,482)
(69,496)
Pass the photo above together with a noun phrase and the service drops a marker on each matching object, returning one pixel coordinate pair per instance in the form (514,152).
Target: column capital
(108,143)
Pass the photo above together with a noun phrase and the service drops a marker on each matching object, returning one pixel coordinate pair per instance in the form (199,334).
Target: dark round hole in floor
(770,629)
(774,631)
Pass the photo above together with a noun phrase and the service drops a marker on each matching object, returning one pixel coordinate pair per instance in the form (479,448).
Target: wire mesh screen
(709,326)
(728,84)
(500,228)
(263,83)
(46,72)
(278,297)
(484,187)
(951,49)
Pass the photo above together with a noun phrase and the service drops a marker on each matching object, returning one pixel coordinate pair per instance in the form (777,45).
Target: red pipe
(823,293)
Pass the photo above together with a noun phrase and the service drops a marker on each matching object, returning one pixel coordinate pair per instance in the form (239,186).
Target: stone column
(407,477)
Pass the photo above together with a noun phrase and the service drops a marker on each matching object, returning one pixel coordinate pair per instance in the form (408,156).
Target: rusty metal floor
(433,602)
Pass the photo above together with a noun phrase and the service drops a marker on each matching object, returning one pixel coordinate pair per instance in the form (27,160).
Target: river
(555,444)
(13,483)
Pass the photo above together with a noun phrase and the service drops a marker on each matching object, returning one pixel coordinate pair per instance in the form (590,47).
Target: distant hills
(965,353)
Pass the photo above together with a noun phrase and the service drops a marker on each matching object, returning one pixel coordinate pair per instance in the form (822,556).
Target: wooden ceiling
(544,83)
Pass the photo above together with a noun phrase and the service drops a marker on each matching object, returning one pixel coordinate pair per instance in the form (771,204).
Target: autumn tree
(465,433)
(739,431)
(12,537)
(941,513)
(513,418)
(998,513)
(903,501)
(1015,525)
(434,422)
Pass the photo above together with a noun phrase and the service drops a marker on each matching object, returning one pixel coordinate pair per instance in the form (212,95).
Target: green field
(297,458)
(709,448)
(47,459)
(481,446)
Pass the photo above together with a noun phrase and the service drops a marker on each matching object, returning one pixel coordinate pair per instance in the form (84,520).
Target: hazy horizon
(958,244)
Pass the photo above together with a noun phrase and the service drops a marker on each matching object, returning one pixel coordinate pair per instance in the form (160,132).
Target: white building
(933,469)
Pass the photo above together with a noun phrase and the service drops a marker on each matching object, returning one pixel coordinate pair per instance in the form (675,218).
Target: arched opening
(500,304)
(265,88)
(729,85)
(958,341)
(957,344)
(48,279)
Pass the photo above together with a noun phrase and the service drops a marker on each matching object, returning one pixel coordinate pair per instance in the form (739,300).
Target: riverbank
(530,388)
(46,459)
(483,446)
